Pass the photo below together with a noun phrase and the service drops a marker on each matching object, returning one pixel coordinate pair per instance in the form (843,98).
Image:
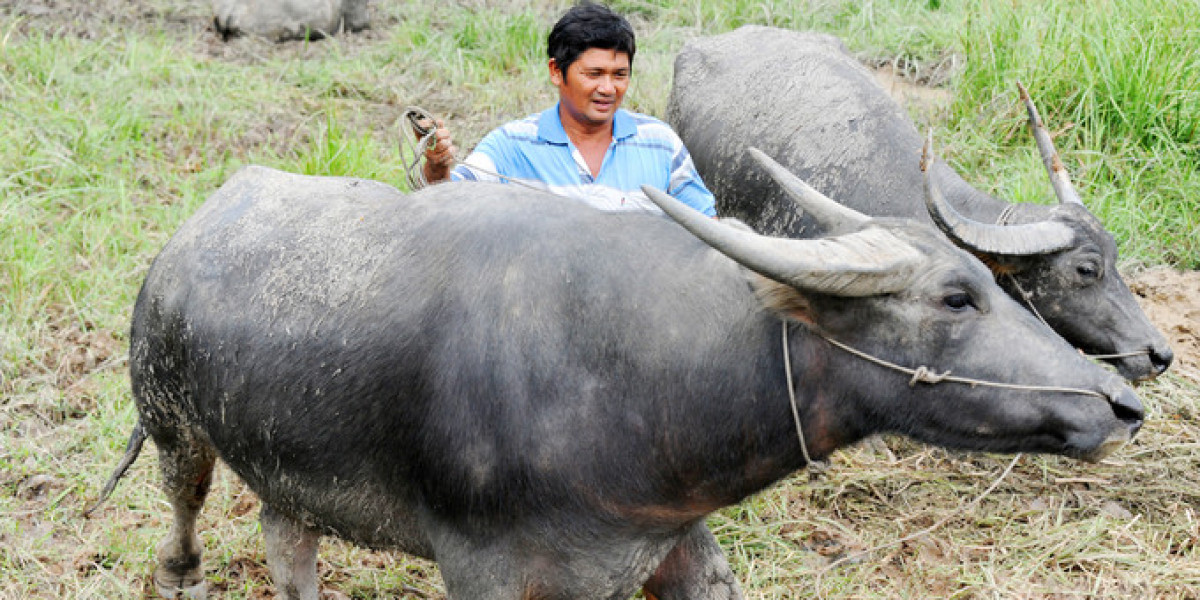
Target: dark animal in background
(283,20)
(801,98)
(547,399)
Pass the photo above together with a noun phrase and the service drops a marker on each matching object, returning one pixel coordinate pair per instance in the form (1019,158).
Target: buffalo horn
(831,215)
(998,240)
(1059,177)
(864,263)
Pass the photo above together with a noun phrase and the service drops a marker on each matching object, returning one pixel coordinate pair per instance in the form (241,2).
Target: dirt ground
(1171,299)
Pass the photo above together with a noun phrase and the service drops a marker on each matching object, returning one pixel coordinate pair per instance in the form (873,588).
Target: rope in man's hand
(432,143)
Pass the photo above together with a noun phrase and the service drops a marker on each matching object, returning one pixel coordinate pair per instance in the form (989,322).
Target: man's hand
(439,154)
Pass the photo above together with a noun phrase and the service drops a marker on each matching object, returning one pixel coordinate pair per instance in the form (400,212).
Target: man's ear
(556,74)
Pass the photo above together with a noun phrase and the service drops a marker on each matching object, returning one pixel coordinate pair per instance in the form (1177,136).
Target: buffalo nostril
(1161,358)
(1134,428)
(1127,407)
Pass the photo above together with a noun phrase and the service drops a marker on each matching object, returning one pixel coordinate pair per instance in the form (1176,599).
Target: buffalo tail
(132,449)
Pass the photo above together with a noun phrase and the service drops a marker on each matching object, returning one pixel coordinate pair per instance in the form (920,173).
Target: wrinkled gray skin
(282,20)
(802,99)
(547,399)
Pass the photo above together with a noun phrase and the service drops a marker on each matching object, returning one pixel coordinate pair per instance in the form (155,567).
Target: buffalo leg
(695,569)
(522,568)
(187,469)
(477,573)
(291,555)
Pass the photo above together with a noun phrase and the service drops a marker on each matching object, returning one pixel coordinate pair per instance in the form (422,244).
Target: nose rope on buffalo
(921,374)
(1025,296)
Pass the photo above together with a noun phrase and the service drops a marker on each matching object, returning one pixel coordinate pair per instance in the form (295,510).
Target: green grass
(1121,82)
(121,117)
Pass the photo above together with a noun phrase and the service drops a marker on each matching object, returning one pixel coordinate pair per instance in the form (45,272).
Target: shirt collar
(550,127)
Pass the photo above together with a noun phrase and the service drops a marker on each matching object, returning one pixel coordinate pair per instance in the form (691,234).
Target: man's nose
(607,85)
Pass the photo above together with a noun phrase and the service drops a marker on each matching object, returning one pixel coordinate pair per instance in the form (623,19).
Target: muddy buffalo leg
(695,569)
(291,555)
(187,468)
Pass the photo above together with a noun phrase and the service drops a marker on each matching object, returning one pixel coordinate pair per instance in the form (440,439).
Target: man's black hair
(589,25)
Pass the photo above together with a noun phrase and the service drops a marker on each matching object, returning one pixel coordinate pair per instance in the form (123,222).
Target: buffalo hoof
(191,586)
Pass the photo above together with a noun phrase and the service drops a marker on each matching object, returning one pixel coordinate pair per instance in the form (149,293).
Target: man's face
(593,86)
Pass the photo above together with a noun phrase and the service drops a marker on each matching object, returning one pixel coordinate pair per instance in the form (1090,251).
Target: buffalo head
(1062,264)
(896,288)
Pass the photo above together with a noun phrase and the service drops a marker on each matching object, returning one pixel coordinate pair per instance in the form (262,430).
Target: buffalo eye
(958,301)
(1088,270)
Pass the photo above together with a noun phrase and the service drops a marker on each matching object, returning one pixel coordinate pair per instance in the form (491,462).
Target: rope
(924,374)
(415,116)
(1118,355)
(921,374)
(1004,218)
(787,368)
(1026,297)
(426,136)
(1007,214)
(1029,303)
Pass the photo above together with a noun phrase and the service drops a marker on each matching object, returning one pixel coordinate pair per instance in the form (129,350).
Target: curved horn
(833,216)
(1059,178)
(865,263)
(1013,240)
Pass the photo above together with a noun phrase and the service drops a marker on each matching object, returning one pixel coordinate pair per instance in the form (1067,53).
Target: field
(120,116)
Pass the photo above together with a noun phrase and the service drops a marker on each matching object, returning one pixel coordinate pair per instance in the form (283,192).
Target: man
(586,147)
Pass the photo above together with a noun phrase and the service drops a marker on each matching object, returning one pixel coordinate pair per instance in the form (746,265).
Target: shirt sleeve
(686,184)
(484,162)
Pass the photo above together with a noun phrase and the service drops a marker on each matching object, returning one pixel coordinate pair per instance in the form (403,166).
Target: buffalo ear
(1001,265)
(784,300)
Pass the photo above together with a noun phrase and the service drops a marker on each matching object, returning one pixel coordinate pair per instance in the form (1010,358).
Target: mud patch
(923,100)
(1171,299)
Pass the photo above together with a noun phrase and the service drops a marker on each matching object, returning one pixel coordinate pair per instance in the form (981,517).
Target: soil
(1171,299)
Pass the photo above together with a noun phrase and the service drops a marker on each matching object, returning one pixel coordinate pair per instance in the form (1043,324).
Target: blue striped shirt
(644,151)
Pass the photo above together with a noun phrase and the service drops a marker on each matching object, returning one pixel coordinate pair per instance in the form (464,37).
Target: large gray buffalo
(282,20)
(547,399)
(801,98)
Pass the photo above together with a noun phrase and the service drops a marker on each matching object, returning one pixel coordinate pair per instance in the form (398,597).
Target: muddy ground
(1171,299)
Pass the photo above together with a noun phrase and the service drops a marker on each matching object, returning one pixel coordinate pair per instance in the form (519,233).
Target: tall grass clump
(1119,85)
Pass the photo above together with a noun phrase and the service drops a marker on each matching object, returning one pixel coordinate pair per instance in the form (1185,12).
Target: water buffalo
(548,399)
(804,100)
(282,20)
